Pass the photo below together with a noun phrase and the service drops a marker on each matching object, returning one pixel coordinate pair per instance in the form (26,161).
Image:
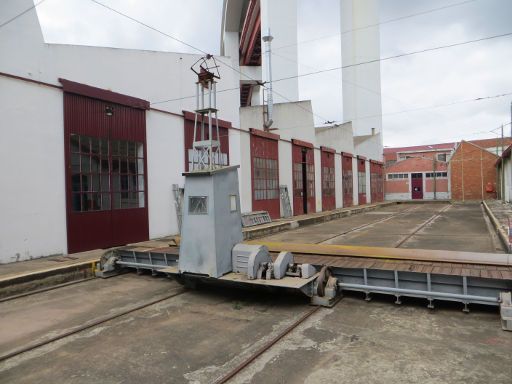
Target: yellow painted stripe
(389,253)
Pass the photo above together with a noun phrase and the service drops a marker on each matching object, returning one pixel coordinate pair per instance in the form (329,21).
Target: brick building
(472,172)
(417,178)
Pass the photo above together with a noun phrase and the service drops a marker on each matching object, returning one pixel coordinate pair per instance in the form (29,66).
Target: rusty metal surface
(485,265)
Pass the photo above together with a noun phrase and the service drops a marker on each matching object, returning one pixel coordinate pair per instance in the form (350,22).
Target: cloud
(444,76)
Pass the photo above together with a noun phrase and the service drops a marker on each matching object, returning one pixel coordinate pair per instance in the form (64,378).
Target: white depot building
(89,158)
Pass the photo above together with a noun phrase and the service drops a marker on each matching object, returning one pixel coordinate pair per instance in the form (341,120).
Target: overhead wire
(396,56)
(199,50)
(21,14)
(377,24)
(325,70)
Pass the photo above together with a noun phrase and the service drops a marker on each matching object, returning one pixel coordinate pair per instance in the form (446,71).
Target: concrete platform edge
(497,226)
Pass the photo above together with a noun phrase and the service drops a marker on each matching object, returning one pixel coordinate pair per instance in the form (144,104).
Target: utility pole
(435,176)
(502,181)
(267,123)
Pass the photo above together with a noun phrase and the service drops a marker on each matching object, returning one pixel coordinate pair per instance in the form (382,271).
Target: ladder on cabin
(285,201)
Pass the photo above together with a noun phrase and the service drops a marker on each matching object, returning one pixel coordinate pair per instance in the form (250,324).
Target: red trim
(265,134)
(247,21)
(192,116)
(327,149)
(347,154)
(250,48)
(361,157)
(29,80)
(103,94)
(302,143)
(166,112)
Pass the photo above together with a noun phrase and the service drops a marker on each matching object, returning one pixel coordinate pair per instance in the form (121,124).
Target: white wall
(33,219)
(338,136)
(244,173)
(369,146)
(285,168)
(149,75)
(165,163)
(397,196)
(355,183)
(368,186)
(361,84)
(33,203)
(338,186)
(291,120)
(281,17)
(318,179)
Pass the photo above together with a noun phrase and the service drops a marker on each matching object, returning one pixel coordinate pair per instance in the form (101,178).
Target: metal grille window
(266,179)
(328,181)
(361,182)
(397,176)
(311,179)
(90,182)
(297,179)
(198,205)
(106,174)
(347,183)
(127,174)
(430,175)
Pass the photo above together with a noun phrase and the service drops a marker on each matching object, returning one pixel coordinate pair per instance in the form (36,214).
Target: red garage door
(376,181)
(347,179)
(303,177)
(106,173)
(361,179)
(328,179)
(265,172)
(189,138)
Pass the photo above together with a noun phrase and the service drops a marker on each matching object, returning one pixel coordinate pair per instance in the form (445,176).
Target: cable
(326,70)
(21,14)
(377,24)
(396,56)
(199,50)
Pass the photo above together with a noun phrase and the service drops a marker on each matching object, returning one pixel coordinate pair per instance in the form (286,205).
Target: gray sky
(423,80)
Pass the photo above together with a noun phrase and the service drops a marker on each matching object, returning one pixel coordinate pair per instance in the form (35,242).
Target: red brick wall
(397,186)
(441,185)
(471,168)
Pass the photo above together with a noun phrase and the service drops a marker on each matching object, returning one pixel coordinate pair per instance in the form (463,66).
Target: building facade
(98,140)
(472,173)
(417,179)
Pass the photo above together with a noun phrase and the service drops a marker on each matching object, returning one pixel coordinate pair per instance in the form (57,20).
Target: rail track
(92,324)
(400,242)
(232,373)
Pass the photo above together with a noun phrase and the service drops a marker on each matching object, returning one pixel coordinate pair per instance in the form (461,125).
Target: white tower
(361,83)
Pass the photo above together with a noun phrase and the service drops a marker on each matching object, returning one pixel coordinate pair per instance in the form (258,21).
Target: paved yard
(458,227)
(202,334)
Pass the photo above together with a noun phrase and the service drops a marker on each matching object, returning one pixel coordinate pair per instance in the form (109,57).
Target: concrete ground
(202,334)
(458,227)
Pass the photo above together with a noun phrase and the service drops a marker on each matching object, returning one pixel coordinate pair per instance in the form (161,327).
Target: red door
(361,178)
(106,172)
(303,177)
(265,172)
(376,181)
(417,186)
(347,180)
(328,179)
